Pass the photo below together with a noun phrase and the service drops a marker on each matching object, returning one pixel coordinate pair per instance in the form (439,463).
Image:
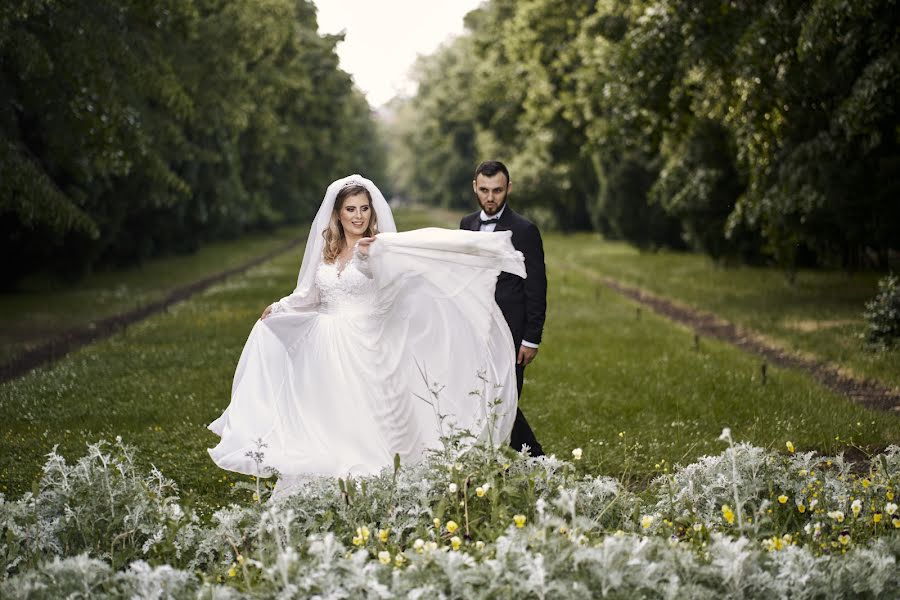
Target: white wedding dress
(337,384)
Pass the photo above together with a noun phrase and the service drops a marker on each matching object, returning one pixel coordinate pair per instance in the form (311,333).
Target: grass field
(819,314)
(632,392)
(42,308)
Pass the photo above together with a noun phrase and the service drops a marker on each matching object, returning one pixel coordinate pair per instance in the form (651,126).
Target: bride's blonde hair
(335,240)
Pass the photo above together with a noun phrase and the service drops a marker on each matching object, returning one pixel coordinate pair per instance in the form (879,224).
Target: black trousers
(521,432)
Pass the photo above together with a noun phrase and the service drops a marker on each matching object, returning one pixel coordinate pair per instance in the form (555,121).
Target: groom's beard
(497,207)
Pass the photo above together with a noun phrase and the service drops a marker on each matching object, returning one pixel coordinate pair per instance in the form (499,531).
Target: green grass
(42,308)
(820,314)
(600,371)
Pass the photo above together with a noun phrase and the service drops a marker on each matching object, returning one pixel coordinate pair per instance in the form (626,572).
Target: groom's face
(491,192)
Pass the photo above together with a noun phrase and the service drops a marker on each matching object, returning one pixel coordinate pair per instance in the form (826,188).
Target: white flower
(837,515)
(812,503)
(452,488)
(419,544)
(890,508)
(576,453)
(726,434)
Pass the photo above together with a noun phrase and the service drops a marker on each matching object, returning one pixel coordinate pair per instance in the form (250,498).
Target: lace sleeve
(295,303)
(362,261)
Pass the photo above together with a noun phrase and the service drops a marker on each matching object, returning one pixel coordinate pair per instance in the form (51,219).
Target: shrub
(883,314)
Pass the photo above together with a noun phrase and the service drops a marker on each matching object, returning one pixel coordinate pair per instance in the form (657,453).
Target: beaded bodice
(345,286)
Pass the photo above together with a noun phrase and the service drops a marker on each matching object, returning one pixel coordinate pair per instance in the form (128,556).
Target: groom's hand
(526,355)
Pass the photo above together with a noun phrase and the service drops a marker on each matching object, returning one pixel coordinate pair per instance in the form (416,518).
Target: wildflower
(646,521)
(866,483)
(889,495)
(384,557)
(452,527)
(876,518)
(837,515)
(455,542)
(479,491)
(519,520)
(728,514)
(363,533)
(621,434)
(790,446)
(812,503)
(232,571)
(856,506)
(479,545)
(844,538)
(576,454)
(383,535)
(803,472)
(726,434)
(457,466)
(782,499)
(452,488)
(801,509)
(698,527)
(896,522)
(399,559)
(890,508)
(419,545)
(437,523)
(431,545)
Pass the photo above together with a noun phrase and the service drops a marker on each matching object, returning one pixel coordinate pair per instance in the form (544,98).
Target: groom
(522,301)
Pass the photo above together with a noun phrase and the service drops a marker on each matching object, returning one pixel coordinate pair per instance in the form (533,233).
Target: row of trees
(130,128)
(740,128)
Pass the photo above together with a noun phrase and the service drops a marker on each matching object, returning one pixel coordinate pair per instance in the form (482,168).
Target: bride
(378,349)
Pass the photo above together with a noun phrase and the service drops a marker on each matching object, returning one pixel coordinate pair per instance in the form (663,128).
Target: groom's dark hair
(489,168)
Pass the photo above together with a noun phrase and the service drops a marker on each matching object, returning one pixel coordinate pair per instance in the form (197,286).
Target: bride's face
(355,214)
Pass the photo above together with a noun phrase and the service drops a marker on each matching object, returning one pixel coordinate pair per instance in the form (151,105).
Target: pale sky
(383,38)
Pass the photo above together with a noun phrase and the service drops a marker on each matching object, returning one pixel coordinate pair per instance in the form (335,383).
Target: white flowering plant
(483,522)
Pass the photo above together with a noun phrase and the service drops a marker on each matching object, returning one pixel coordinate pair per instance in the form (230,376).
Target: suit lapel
(505,221)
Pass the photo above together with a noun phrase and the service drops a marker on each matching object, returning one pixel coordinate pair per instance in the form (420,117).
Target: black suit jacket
(523,301)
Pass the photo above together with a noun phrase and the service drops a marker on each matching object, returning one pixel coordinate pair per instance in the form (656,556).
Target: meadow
(628,388)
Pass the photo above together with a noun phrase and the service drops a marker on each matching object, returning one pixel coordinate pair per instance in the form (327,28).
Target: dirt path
(867,393)
(77,337)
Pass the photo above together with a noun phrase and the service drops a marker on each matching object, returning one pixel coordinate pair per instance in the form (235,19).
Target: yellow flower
(896,522)
(383,535)
(437,523)
(455,542)
(866,483)
(844,538)
(519,520)
(889,495)
(576,454)
(384,557)
(837,515)
(801,508)
(856,506)
(357,541)
(728,514)
(232,571)
(363,532)
(790,446)
(782,499)
(452,527)
(876,518)
(646,521)
(479,491)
